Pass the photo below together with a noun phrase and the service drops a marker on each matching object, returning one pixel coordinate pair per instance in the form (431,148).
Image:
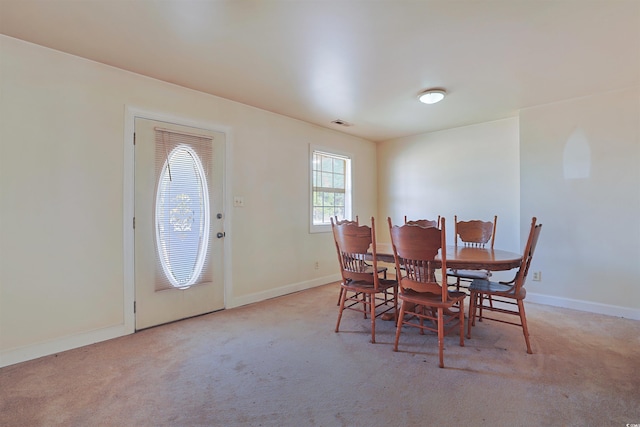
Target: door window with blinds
(182,211)
(330,188)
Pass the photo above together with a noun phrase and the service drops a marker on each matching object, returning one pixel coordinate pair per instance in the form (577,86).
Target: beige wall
(471,171)
(63,274)
(534,165)
(580,173)
(63,186)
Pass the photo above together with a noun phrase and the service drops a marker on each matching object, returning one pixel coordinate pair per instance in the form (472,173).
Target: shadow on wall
(577,156)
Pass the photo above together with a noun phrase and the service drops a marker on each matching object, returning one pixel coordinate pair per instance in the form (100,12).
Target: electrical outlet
(537,276)
(317,265)
(238,201)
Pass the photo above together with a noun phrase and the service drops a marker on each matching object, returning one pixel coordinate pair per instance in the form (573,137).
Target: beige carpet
(279,363)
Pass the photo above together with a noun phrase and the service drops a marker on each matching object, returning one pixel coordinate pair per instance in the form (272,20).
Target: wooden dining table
(462,258)
(465,258)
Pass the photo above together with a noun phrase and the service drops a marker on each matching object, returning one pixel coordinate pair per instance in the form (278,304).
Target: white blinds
(182,211)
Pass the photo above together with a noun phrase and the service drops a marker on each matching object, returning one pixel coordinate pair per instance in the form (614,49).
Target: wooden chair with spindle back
(359,285)
(347,221)
(423,222)
(381,269)
(474,233)
(421,296)
(505,294)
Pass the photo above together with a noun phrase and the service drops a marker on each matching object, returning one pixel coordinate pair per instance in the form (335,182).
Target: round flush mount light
(431,96)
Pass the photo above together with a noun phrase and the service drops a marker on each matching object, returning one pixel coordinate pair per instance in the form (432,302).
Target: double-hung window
(330,187)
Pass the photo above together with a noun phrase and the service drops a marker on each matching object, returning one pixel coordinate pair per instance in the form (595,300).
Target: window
(330,188)
(182,208)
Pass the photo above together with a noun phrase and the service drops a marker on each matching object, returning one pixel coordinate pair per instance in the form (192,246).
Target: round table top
(468,258)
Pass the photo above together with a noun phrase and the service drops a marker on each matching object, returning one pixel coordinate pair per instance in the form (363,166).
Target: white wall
(62,191)
(575,165)
(580,173)
(62,132)
(471,171)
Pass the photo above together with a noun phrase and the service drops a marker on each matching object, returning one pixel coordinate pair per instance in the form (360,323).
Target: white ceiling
(362,61)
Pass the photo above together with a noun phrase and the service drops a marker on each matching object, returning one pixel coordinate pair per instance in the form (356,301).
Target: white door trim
(129,202)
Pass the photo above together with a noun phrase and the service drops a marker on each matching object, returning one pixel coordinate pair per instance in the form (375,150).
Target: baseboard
(283,290)
(592,307)
(34,351)
(30,352)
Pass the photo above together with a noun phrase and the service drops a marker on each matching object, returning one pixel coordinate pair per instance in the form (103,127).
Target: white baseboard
(34,351)
(283,290)
(592,307)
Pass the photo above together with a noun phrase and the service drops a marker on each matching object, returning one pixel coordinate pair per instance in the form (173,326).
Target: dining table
(465,257)
(462,258)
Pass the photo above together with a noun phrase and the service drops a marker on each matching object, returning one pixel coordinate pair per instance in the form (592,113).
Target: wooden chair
(359,285)
(474,233)
(421,296)
(346,221)
(424,222)
(369,267)
(505,294)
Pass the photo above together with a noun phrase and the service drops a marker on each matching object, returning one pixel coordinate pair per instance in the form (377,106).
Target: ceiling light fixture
(431,96)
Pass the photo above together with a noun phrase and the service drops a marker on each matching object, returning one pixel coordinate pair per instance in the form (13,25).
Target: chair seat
(369,269)
(367,287)
(432,300)
(496,288)
(469,274)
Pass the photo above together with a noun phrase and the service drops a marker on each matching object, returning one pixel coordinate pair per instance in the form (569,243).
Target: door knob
(220,235)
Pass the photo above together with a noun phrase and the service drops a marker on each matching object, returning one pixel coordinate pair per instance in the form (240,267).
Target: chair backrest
(527,255)
(475,232)
(347,221)
(415,249)
(355,244)
(423,222)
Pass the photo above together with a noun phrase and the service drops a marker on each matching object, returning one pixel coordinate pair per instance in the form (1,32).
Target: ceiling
(361,61)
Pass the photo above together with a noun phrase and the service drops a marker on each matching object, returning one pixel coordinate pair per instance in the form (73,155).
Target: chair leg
(372,302)
(472,313)
(395,302)
(399,320)
(461,321)
(434,315)
(364,304)
(523,321)
(441,336)
(343,295)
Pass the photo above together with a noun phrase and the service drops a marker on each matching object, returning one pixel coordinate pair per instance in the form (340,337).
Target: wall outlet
(317,265)
(238,201)
(537,276)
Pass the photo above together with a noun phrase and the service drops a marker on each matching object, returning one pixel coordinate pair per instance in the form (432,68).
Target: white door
(178,222)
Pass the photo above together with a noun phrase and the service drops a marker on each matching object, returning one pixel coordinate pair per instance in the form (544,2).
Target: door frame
(131,113)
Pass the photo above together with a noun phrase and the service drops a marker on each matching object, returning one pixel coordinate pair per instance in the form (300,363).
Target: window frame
(348,191)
